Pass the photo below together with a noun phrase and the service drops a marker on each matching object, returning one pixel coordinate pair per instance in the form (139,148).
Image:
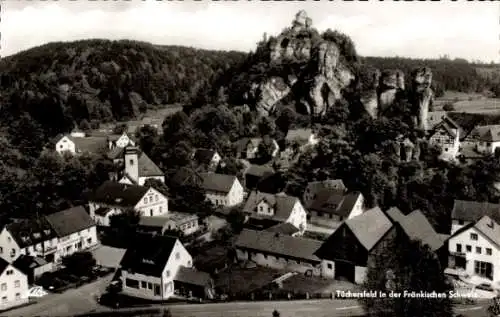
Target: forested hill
(60,84)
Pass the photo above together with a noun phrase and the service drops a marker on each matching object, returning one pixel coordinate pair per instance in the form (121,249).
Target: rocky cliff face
(422,96)
(324,74)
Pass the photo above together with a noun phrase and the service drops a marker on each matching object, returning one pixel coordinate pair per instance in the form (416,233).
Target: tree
(449,107)
(79,263)
(405,265)
(120,128)
(276,313)
(266,126)
(124,226)
(84,125)
(236,219)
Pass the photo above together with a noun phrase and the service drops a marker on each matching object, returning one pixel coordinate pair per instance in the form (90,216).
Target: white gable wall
(65,145)
(13,287)
(153,203)
(298,217)
(179,257)
(9,249)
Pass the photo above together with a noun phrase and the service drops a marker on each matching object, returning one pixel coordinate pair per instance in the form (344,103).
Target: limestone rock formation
(390,83)
(323,77)
(423,96)
(369,97)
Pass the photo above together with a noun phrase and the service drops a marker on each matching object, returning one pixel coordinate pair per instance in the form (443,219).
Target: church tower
(132,163)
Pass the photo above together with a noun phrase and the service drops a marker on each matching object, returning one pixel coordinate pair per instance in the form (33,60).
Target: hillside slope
(60,84)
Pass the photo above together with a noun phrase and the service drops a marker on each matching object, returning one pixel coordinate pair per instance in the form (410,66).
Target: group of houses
(458,143)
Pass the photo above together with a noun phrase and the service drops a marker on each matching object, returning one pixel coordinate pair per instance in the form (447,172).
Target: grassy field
(469,102)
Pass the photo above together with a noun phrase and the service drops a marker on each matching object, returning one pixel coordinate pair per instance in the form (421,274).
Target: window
(265,256)
(12,253)
(446,149)
(89,240)
(261,208)
(131,283)
(151,212)
(4,299)
(483,269)
(478,250)
(461,222)
(10,272)
(468,248)
(473,236)
(17,284)
(329,266)
(4,286)
(150,285)
(145,200)
(156,198)
(189,263)
(168,273)
(459,247)
(177,256)
(144,284)
(161,209)
(9,239)
(18,296)
(68,248)
(131,162)
(488,251)
(151,199)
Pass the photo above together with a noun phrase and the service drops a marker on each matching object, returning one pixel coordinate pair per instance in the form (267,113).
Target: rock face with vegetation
(300,67)
(423,95)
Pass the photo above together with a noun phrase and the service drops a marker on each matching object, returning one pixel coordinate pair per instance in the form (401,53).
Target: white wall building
(222,190)
(139,168)
(13,286)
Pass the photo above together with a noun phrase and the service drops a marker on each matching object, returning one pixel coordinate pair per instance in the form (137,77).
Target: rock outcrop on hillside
(422,95)
(324,72)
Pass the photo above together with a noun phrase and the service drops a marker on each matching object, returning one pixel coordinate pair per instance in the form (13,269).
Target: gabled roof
(282,204)
(217,182)
(70,221)
(472,210)
(147,168)
(90,144)
(369,227)
(153,221)
(317,186)
(204,156)
(435,117)
(278,244)
(148,254)
(299,135)
(26,263)
(489,228)
(259,170)
(417,227)
(332,201)
(30,231)
(116,153)
(102,211)
(285,228)
(118,194)
(492,134)
(191,276)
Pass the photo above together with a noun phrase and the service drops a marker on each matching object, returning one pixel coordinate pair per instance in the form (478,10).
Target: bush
(79,263)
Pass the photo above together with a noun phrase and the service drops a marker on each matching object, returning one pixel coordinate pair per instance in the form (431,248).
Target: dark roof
(217,182)
(204,156)
(102,211)
(417,227)
(259,170)
(472,210)
(27,263)
(148,254)
(116,153)
(147,167)
(369,227)
(334,202)
(285,228)
(318,186)
(395,214)
(69,221)
(31,231)
(154,221)
(118,194)
(283,204)
(278,244)
(193,277)
(489,228)
(90,144)
(3,265)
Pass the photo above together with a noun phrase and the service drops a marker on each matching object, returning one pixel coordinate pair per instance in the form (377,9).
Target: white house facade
(13,286)
(222,190)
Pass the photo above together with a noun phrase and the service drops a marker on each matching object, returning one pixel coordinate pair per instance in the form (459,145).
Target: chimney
(491,224)
(132,163)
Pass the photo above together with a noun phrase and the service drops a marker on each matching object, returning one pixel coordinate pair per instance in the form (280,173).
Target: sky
(459,29)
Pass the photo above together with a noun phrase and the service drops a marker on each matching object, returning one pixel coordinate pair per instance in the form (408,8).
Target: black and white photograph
(250,158)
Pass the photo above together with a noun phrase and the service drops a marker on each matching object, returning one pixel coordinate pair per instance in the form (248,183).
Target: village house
(139,168)
(222,190)
(208,158)
(474,251)
(185,223)
(158,267)
(276,208)
(285,228)
(313,189)
(301,137)
(248,148)
(113,198)
(78,142)
(345,253)
(434,118)
(75,231)
(13,286)
(331,207)
(32,266)
(278,251)
(50,237)
(465,212)
(255,173)
(28,237)
(446,135)
(487,139)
